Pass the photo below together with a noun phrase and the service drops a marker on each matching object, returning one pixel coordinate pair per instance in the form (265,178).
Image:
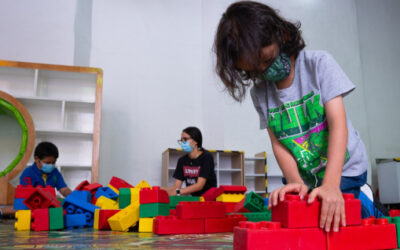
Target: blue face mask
(186,147)
(279,69)
(47,168)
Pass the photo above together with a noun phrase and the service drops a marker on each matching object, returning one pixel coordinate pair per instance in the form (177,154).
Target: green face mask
(279,69)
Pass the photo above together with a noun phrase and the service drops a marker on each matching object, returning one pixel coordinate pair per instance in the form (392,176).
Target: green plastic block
(396,221)
(153,210)
(254,202)
(258,216)
(56,218)
(174,200)
(124,198)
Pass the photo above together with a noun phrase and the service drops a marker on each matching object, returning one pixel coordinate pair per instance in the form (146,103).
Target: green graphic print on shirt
(301,126)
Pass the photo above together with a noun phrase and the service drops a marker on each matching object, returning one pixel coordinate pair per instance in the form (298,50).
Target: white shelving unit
(255,173)
(228,166)
(65,105)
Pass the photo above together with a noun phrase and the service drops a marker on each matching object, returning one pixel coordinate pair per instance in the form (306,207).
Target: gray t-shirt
(296,115)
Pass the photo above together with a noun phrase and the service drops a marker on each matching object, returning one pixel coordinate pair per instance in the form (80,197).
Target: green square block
(56,218)
(174,200)
(153,210)
(254,202)
(258,216)
(124,198)
(396,221)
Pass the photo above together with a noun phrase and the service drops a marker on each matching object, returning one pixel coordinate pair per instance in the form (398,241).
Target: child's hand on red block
(279,194)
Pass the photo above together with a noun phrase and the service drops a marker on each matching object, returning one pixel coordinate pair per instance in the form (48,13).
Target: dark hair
(45,149)
(195,134)
(244,29)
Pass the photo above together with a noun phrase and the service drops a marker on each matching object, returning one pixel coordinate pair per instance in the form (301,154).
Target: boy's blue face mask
(186,147)
(279,69)
(47,168)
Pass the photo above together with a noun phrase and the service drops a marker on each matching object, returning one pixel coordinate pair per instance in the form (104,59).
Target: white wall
(158,70)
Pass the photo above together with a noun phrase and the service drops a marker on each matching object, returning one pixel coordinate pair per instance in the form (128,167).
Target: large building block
(143,184)
(106,192)
(174,200)
(23,222)
(124,197)
(296,213)
(269,235)
(258,216)
(394,212)
(74,206)
(395,221)
(56,218)
(153,209)
(82,185)
(230,206)
(117,183)
(230,197)
(124,219)
(146,225)
(92,188)
(212,194)
(371,234)
(197,210)
(19,204)
(106,203)
(251,203)
(101,217)
(230,189)
(220,225)
(40,219)
(153,195)
(173,225)
(24,191)
(39,198)
(75,221)
(81,195)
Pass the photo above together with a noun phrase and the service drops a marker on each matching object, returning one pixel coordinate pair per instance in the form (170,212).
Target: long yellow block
(106,203)
(125,218)
(230,197)
(23,222)
(96,219)
(146,225)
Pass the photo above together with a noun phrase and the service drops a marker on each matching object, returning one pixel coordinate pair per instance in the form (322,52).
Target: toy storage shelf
(228,166)
(65,105)
(255,173)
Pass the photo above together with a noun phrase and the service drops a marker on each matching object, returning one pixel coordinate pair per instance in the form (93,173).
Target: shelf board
(256,191)
(38,98)
(254,175)
(229,170)
(254,158)
(63,132)
(62,165)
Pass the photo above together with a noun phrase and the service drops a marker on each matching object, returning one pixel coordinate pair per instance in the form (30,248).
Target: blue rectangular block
(19,204)
(75,206)
(74,221)
(81,195)
(107,192)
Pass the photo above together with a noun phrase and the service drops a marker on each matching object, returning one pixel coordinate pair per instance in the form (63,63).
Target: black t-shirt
(189,170)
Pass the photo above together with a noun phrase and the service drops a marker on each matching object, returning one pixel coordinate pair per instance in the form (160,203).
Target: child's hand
(279,193)
(332,207)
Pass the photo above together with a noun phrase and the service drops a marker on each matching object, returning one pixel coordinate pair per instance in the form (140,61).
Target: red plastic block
(233,189)
(82,185)
(212,194)
(239,207)
(92,188)
(296,213)
(230,206)
(372,234)
(198,210)
(172,212)
(119,183)
(24,191)
(40,220)
(394,212)
(153,195)
(269,235)
(220,225)
(41,199)
(104,214)
(173,225)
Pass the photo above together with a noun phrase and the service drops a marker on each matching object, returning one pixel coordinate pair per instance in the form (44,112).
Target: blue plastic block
(74,221)
(75,206)
(81,195)
(107,192)
(266,202)
(19,204)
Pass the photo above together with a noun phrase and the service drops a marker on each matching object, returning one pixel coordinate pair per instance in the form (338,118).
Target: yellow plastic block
(96,219)
(124,219)
(230,197)
(23,222)
(106,203)
(146,225)
(202,199)
(113,188)
(135,198)
(143,184)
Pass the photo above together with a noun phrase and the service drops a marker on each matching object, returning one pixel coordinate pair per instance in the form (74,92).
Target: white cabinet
(255,172)
(65,105)
(228,166)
